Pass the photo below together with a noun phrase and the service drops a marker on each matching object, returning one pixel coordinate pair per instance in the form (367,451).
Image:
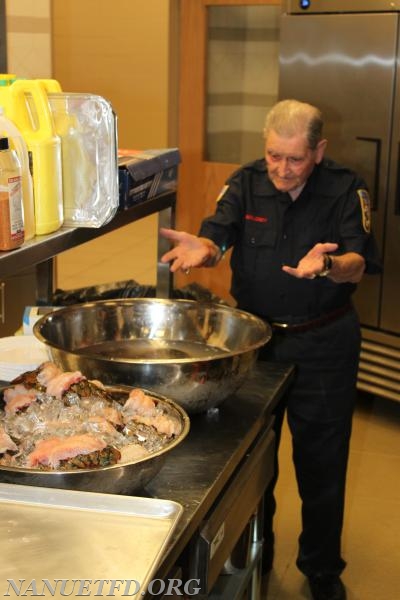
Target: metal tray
(50,534)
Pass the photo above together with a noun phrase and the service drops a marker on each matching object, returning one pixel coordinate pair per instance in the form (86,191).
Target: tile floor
(371,542)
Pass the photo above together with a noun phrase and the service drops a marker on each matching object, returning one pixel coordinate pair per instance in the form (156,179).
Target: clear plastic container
(87,127)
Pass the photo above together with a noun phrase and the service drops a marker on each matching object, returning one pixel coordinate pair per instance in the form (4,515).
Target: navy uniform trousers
(319,407)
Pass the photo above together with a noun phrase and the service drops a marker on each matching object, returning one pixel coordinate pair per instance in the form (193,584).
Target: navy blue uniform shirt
(267,230)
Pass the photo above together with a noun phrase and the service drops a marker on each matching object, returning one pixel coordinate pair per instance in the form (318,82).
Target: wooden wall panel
(122,51)
(125,51)
(200,181)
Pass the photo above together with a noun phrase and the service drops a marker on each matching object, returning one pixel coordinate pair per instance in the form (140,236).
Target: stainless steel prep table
(218,475)
(203,474)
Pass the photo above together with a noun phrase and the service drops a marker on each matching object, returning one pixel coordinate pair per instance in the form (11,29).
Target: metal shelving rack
(41,250)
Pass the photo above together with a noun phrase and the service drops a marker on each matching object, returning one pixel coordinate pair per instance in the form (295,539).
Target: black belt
(312,323)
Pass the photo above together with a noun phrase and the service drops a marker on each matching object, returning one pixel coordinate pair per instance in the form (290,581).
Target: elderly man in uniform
(299,227)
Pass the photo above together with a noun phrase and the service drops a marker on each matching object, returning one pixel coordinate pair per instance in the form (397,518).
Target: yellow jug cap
(7,79)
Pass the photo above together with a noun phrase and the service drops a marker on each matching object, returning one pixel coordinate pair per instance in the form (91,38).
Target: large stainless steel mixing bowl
(124,478)
(193,352)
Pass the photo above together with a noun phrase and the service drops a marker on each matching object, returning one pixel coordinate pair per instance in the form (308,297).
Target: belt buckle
(281,325)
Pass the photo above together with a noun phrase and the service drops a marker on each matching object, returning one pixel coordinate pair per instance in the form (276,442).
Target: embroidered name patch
(256,219)
(365,204)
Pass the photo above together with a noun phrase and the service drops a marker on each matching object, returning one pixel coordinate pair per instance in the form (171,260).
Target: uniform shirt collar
(268,188)
(316,183)
(294,194)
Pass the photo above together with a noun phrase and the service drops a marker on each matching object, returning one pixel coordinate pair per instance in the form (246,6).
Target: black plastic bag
(129,289)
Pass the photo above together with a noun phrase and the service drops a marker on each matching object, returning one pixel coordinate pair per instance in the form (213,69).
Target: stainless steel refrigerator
(344,57)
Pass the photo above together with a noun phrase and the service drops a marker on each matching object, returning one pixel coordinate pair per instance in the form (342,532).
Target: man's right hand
(189,251)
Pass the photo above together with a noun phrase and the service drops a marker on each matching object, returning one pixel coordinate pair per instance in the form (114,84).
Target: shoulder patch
(365,204)
(222,192)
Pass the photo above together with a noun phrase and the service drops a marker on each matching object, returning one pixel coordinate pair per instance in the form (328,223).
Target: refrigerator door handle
(375,182)
(397,196)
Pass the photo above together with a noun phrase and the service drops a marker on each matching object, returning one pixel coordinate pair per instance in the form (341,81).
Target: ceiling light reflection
(337,58)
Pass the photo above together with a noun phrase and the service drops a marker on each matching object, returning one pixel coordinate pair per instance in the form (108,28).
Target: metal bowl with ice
(193,352)
(128,475)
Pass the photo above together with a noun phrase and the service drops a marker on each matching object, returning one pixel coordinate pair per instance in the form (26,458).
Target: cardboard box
(144,174)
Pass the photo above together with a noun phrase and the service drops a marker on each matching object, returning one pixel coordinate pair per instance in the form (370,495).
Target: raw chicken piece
(59,384)
(133,452)
(112,415)
(47,371)
(51,451)
(138,403)
(6,442)
(141,408)
(98,383)
(18,397)
(162,423)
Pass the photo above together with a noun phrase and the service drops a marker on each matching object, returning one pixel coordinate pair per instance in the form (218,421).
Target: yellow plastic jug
(52,86)
(26,104)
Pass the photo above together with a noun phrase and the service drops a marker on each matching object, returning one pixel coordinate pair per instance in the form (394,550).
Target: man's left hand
(312,264)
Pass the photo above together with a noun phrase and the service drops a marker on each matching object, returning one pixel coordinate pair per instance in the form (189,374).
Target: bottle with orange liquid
(17,143)
(11,211)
